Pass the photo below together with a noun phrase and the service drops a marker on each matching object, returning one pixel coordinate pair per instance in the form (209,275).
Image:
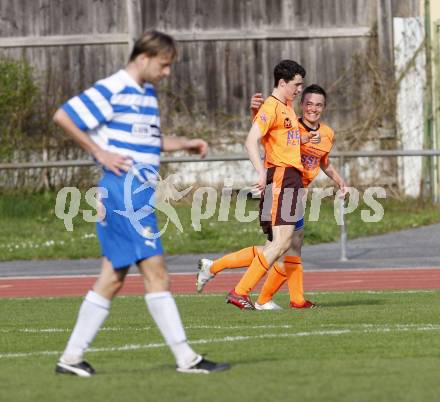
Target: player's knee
(280,246)
(284,248)
(109,286)
(297,240)
(161,278)
(296,246)
(115,284)
(157,281)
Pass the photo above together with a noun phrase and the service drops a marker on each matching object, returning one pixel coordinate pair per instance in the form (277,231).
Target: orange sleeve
(325,160)
(265,118)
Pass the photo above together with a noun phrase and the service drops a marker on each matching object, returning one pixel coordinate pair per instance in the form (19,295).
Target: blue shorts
(128,233)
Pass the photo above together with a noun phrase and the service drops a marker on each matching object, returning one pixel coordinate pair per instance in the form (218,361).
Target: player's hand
(262,178)
(114,162)
(256,101)
(100,209)
(343,190)
(197,146)
(305,138)
(315,137)
(255,191)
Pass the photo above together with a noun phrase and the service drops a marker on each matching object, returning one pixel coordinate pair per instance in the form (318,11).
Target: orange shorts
(278,203)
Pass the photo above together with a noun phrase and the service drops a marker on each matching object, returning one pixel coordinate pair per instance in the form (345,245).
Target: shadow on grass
(345,303)
(160,368)
(109,371)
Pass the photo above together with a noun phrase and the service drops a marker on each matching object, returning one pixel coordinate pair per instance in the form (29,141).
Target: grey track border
(413,248)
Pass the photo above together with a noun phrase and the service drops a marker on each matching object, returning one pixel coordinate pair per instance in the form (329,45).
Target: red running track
(343,280)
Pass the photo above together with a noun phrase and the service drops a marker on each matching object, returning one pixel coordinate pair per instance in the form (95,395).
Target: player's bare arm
(196,145)
(252,147)
(333,174)
(112,161)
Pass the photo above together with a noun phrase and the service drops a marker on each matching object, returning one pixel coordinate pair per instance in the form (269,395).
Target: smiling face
(312,107)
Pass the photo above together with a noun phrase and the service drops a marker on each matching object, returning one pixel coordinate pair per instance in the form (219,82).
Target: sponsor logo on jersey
(145,130)
(309,162)
(293,137)
(140,130)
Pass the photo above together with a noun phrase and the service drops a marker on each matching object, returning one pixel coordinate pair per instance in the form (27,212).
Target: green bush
(19,98)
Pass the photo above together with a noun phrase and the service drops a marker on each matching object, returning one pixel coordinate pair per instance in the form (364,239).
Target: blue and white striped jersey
(121,117)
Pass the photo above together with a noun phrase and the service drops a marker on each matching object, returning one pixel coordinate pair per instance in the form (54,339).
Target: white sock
(92,314)
(164,311)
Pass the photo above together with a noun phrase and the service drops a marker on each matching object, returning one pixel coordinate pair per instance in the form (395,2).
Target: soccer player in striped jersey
(316,144)
(117,122)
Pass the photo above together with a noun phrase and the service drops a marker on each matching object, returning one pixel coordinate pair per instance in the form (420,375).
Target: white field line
(74,276)
(333,270)
(371,292)
(82,276)
(222,294)
(387,328)
(340,282)
(228,339)
(147,328)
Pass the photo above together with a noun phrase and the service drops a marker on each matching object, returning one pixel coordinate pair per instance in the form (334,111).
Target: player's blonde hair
(152,43)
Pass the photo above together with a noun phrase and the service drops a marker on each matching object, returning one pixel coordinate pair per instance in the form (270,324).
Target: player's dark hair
(314,89)
(287,70)
(152,43)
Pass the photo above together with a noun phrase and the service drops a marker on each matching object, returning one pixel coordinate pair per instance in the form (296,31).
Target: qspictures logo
(206,203)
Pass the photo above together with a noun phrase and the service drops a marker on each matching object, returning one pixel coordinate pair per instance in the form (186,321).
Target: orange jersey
(312,155)
(280,134)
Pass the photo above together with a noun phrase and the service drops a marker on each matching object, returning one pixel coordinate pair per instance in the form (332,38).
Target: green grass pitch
(359,346)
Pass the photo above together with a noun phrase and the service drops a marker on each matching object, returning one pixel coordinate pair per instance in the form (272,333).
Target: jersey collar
(306,126)
(284,103)
(129,80)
